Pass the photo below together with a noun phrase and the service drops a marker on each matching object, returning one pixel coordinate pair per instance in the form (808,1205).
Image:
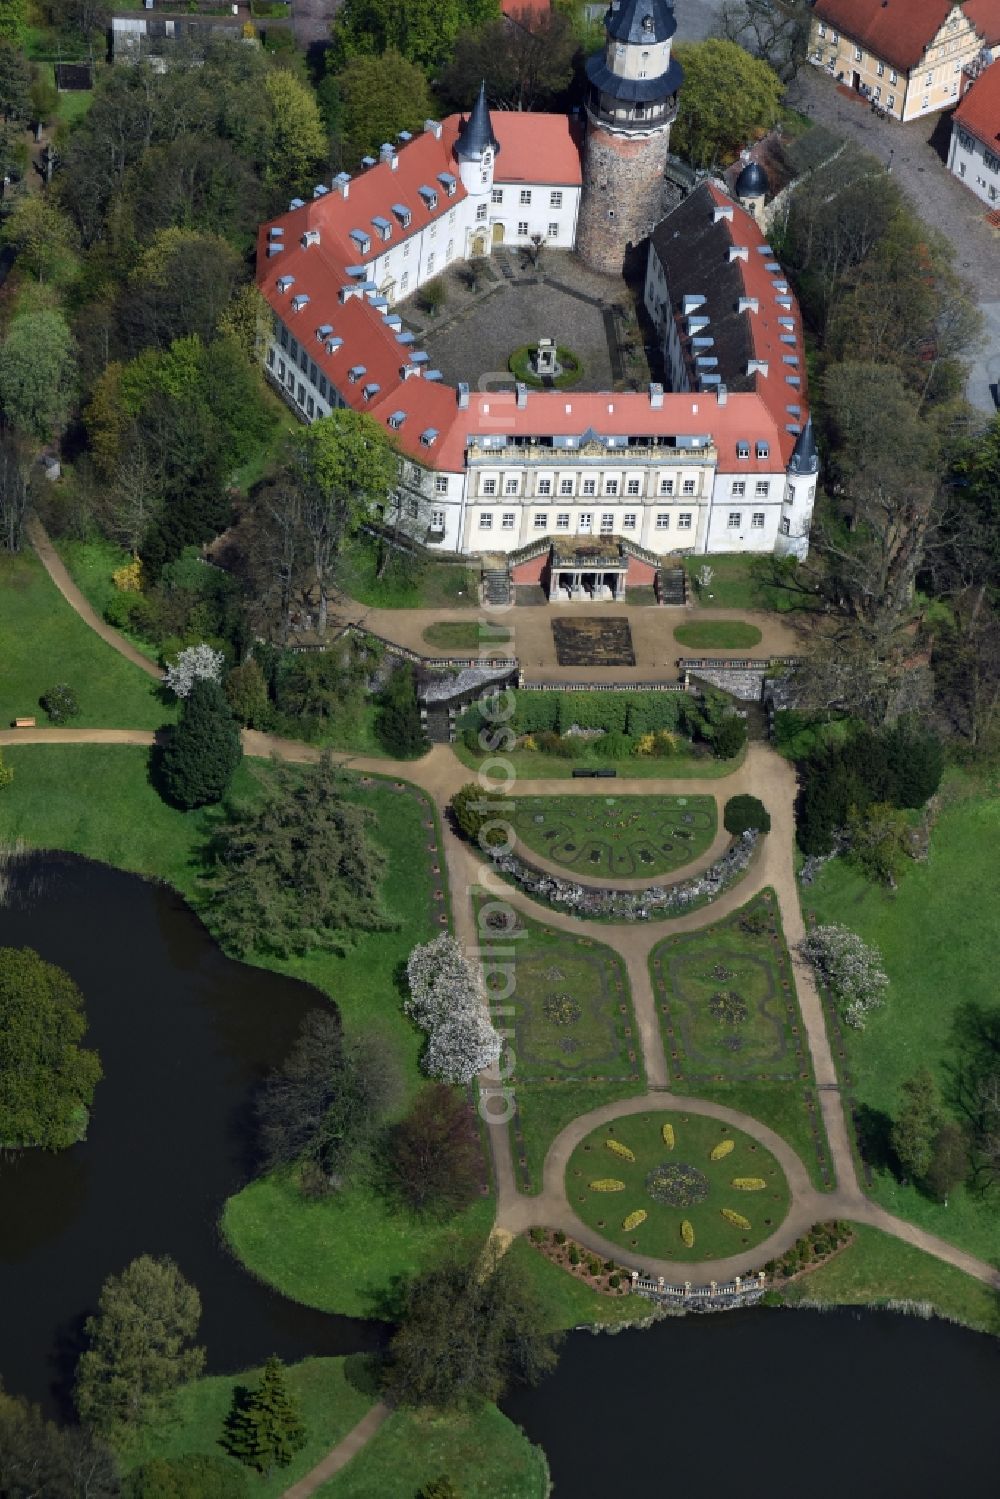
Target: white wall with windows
(975,164)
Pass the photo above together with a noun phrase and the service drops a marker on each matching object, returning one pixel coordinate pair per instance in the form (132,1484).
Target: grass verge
(743,581)
(567,1301)
(532,765)
(718,634)
(466,635)
(878,1270)
(417,583)
(45,642)
(330,1400)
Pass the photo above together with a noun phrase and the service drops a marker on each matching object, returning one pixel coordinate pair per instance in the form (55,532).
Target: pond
(770,1403)
(184,1034)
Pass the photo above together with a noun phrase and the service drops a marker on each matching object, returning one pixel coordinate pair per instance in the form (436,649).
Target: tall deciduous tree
(377,97)
(37,373)
(43,238)
(435,1154)
(775,30)
(265,1428)
(468,1329)
(141,1345)
(297,144)
(15,82)
(298,872)
(13,493)
(917,1124)
(525,62)
(204,749)
(14,22)
(39,1460)
(422,30)
(729,99)
(47,1079)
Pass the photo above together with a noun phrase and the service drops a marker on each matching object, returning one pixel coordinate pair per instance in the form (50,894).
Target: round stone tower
(631,105)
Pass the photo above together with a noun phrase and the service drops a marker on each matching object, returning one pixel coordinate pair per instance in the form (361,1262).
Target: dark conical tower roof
(640,20)
(805,459)
(752,182)
(475,135)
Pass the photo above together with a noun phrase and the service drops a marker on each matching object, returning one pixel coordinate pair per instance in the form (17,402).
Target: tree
(264,1429)
(744,814)
(343,465)
(43,238)
(917,1124)
(423,31)
(204,749)
(44,98)
(15,81)
(192,1476)
(476,818)
(47,1080)
(180,287)
(435,1156)
(447,1000)
(851,970)
(38,1458)
(469,1327)
(879,841)
(196,663)
(728,99)
(525,62)
(13,493)
(297,872)
(949,1162)
(246,693)
(14,22)
(141,1345)
(325,1103)
(378,97)
(775,30)
(82,17)
(37,373)
(297,145)
(729,737)
(398,723)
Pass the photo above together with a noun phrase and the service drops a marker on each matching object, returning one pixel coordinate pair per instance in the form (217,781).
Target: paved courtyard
(473,336)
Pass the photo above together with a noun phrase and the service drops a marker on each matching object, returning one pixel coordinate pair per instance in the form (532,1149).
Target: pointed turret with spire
(475,135)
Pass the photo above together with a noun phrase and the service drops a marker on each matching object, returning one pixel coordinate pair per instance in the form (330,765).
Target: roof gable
(897,31)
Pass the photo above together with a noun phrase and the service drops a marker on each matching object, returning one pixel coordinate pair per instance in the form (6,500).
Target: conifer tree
(264,1429)
(204,750)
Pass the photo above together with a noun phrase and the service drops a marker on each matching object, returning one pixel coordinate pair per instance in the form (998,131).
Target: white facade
(975,164)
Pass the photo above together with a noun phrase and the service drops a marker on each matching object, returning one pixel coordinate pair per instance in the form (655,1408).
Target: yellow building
(907,56)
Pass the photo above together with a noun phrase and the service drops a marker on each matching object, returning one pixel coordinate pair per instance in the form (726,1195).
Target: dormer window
(742,449)
(397,419)
(355,373)
(302,300)
(285,283)
(429,437)
(449,183)
(763,450)
(360,241)
(402,213)
(382,227)
(429,197)
(323,331)
(370,390)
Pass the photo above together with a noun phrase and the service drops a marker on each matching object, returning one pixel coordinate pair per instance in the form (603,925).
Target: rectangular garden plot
(731,1025)
(574,1041)
(593,642)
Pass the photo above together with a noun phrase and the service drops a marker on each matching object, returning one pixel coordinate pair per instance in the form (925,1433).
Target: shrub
(755,922)
(194,664)
(574,1255)
(850,969)
(190,1476)
(669,1138)
(473,812)
(60,703)
(246,693)
(736,1219)
(617,1148)
(724,1148)
(607,1184)
(900,766)
(614,1281)
(615,746)
(745,814)
(398,723)
(536,1235)
(749,1183)
(730,737)
(594,1265)
(129,578)
(634,1219)
(687,1234)
(128,611)
(203,751)
(559,1236)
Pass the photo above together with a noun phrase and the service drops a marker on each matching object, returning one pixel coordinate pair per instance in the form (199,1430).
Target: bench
(602,775)
(583,775)
(24,723)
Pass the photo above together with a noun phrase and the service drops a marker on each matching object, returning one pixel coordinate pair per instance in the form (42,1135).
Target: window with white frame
(586,522)
(553,231)
(666,486)
(482,210)
(629,520)
(607,523)
(762,488)
(684,521)
(891,101)
(437,520)
(786,525)
(489,486)
(633,486)
(735,520)
(565,486)
(743,449)
(858,54)
(555,198)
(611,486)
(486,520)
(589,486)
(511,485)
(544,486)
(738,488)
(440,484)
(541,520)
(507,520)
(757,520)
(430,264)
(522,227)
(894,76)
(687,487)
(880,70)
(525,197)
(498,195)
(562,521)
(763,450)
(663,520)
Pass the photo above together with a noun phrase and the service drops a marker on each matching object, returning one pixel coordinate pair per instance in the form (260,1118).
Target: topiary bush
(634,1219)
(617,1148)
(607,1184)
(745,814)
(749,1183)
(724,1148)
(736,1219)
(669,1139)
(687,1234)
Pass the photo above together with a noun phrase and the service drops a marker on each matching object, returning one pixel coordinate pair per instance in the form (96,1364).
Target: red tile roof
(985,17)
(979,111)
(525,11)
(537,148)
(898,31)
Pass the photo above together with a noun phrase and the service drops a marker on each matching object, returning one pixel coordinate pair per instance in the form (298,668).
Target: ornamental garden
(621,837)
(676,1186)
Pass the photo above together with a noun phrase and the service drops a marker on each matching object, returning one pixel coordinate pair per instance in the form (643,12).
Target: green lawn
(718,634)
(337,1253)
(623,837)
(90,564)
(878,1269)
(567,1301)
(731,1025)
(423,584)
(938,936)
(334,1393)
(533,765)
(702,1191)
(467,635)
(42,642)
(742,581)
(485,1455)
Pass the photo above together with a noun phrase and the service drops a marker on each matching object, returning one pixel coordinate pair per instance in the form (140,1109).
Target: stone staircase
(496,585)
(671,585)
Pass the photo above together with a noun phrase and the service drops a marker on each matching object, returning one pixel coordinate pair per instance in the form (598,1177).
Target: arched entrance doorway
(498,233)
(478,244)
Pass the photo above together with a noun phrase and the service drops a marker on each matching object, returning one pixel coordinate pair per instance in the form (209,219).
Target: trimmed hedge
(749,1183)
(736,1219)
(634,1219)
(744,814)
(724,1148)
(631,713)
(607,1184)
(669,1138)
(687,1234)
(617,1148)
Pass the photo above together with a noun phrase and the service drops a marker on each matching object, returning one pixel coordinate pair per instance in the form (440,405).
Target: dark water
(767,1404)
(183,1035)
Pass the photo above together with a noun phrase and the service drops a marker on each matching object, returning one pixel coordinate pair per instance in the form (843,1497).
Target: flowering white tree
(851,970)
(192,664)
(447,1000)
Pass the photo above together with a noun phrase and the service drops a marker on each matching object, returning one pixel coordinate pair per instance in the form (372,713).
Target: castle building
(723,461)
(631,105)
(974,152)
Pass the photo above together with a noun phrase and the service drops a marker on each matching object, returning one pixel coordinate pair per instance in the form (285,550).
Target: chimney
(342,183)
(656,396)
(386,151)
(522,395)
(463,396)
(433,127)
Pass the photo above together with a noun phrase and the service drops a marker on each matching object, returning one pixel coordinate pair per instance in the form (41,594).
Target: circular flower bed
(677,1184)
(562,1009)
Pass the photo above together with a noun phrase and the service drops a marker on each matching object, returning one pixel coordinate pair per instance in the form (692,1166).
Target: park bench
(24,723)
